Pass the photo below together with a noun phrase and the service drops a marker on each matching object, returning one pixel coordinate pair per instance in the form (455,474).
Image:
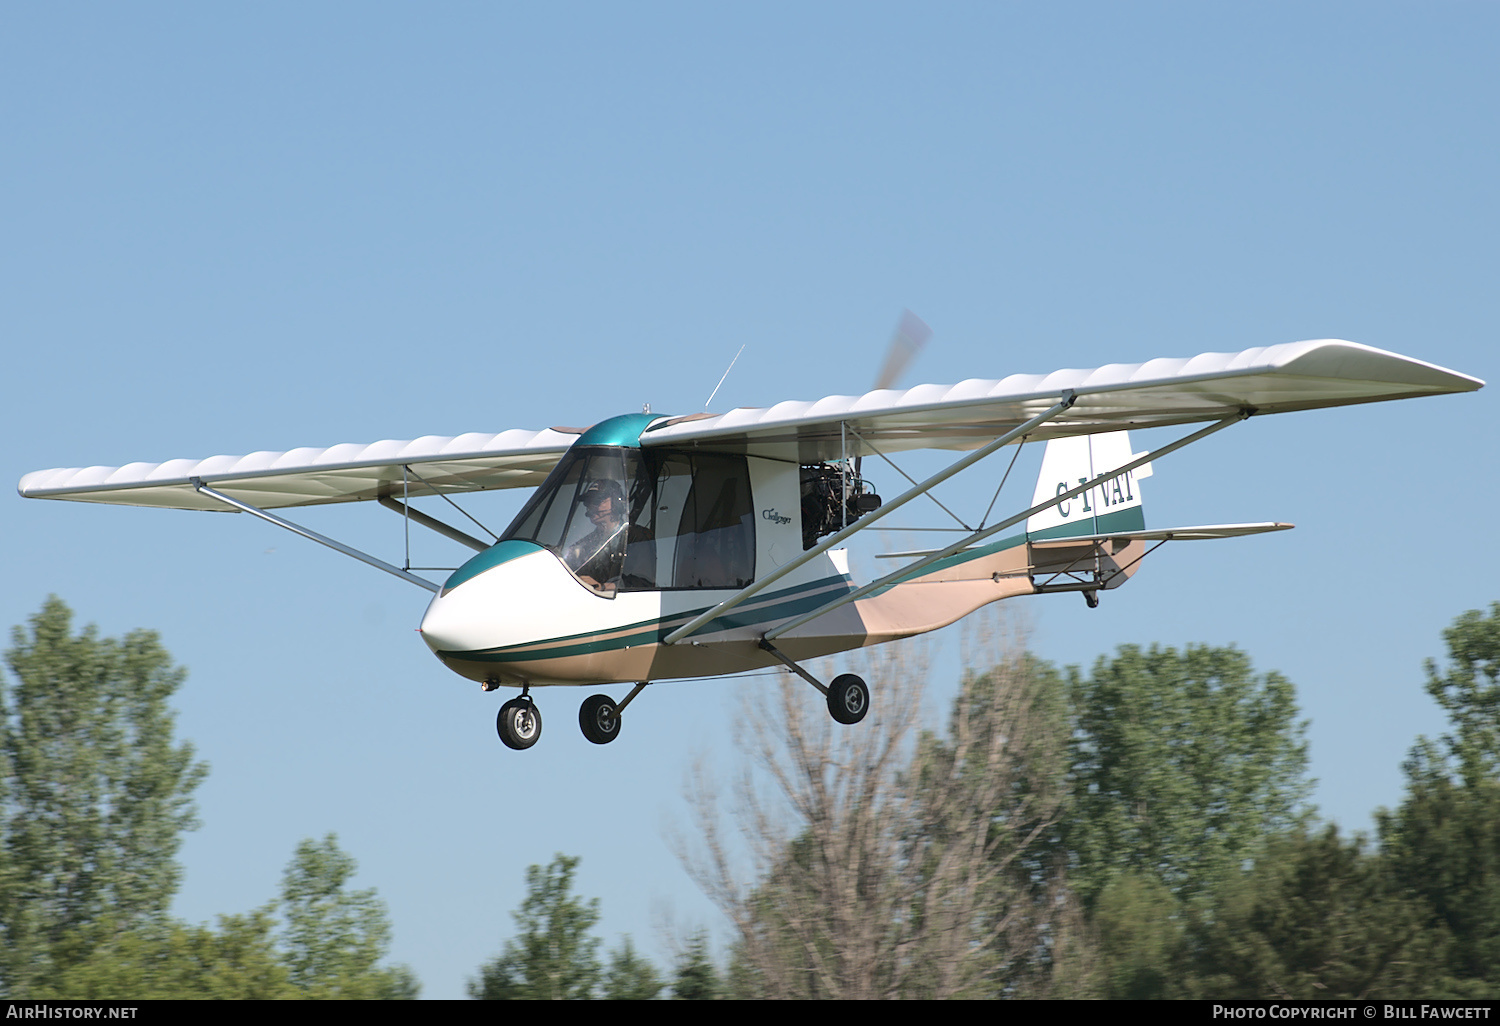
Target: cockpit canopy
(628,519)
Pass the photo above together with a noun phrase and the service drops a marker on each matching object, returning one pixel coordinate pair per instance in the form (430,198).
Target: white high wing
(663,547)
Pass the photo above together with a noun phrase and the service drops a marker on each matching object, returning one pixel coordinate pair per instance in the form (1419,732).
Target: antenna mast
(721,380)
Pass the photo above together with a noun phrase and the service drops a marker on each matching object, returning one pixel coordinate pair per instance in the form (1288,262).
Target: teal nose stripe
(493,556)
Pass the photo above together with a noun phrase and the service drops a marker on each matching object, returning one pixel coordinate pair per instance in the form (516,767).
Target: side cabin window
(626,520)
(703,500)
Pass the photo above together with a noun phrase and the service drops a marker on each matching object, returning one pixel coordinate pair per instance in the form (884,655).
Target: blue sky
(239,227)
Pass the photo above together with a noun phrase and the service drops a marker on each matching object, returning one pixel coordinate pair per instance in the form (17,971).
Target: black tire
(519,723)
(848,698)
(599,719)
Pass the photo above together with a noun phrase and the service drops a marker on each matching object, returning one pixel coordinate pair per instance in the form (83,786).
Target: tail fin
(1113,505)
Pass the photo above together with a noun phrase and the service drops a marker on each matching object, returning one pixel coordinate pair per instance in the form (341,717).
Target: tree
(889,864)
(694,977)
(1469,690)
(630,977)
(992,915)
(1443,843)
(334,938)
(1317,917)
(1443,846)
(175,962)
(96,794)
(329,947)
(1181,763)
(554,957)
(1140,937)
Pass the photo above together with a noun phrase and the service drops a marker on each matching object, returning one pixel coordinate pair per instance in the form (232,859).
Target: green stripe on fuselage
(766,610)
(958,558)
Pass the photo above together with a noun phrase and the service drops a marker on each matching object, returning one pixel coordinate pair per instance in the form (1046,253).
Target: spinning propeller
(911,335)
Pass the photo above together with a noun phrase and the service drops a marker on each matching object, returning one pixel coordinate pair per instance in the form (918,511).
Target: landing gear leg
(848,697)
(519,723)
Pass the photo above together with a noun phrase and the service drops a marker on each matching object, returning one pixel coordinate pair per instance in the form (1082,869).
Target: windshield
(580,513)
(621,519)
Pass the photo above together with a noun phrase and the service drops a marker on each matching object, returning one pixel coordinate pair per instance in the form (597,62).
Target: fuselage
(569,596)
(622,545)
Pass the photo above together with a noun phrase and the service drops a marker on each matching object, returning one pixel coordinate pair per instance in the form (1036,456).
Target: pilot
(597,557)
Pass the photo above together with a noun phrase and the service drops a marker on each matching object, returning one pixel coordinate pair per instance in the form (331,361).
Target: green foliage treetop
(554,957)
(95,794)
(1182,763)
(96,791)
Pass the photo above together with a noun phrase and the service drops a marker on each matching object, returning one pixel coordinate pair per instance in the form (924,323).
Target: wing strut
(1063,404)
(314,536)
(432,523)
(910,568)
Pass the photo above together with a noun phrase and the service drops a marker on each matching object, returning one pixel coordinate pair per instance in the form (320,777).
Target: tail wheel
(519,723)
(599,719)
(848,698)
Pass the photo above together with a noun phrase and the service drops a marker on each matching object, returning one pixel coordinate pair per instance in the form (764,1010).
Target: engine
(832,497)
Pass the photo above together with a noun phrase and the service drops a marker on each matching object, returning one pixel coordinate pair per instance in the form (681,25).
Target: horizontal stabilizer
(1202,533)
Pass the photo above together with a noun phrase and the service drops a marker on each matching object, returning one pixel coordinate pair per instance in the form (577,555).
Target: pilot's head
(604,501)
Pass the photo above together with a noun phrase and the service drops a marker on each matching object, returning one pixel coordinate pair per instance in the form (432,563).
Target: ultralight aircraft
(659,547)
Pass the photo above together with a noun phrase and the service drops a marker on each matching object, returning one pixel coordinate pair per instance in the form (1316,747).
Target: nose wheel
(519,723)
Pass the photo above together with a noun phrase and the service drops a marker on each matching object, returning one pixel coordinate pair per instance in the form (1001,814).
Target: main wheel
(519,723)
(599,719)
(848,698)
